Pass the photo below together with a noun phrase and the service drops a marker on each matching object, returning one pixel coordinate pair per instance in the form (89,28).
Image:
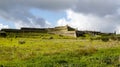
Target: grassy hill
(49,50)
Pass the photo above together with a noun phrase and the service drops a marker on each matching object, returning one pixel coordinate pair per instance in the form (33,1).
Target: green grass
(37,35)
(58,52)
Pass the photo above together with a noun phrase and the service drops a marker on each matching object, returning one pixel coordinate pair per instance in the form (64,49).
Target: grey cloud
(106,10)
(42,4)
(99,7)
(18,11)
(23,16)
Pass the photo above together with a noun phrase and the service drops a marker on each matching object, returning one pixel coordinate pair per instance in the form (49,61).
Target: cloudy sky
(95,15)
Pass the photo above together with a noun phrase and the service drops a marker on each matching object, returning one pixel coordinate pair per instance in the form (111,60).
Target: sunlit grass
(58,52)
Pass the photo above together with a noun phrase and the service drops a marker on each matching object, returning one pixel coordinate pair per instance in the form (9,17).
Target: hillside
(50,50)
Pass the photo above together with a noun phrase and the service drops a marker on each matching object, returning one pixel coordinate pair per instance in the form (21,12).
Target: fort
(60,30)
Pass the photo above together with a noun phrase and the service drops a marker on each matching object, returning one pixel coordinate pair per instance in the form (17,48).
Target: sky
(94,15)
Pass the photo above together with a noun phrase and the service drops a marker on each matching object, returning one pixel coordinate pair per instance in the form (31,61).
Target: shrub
(62,61)
(21,42)
(95,38)
(113,38)
(105,39)
(85,51)
(107,60)
(118,38)
(118,65)
(3,34)
(61,35)
(1,66)
(50,37)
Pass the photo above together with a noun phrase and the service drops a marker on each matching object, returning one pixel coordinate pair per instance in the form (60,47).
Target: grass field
(51,52)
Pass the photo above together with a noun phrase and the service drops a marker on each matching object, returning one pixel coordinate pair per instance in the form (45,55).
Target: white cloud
(101,15)
(32,24)
(23,18)
(89,22)
(62,22)
(3,26)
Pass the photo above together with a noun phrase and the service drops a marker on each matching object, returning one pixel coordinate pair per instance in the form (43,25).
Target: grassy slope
(39,52)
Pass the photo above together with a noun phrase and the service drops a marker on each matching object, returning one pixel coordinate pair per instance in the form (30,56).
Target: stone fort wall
(61,30)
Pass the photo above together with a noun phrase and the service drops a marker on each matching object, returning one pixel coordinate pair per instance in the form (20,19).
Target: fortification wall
(70,28)
(34,30)
(61,28)
(65,33)
(11,30)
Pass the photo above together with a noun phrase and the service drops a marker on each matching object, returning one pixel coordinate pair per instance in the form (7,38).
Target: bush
(107,60)
(113,38)
(3,34)
(105,39)
(51,38)
(95,38)
(118,38)
(21,42)
(85,51)
(1,66)
(61,35)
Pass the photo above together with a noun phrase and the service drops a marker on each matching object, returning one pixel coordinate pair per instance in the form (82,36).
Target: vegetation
(49,50)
